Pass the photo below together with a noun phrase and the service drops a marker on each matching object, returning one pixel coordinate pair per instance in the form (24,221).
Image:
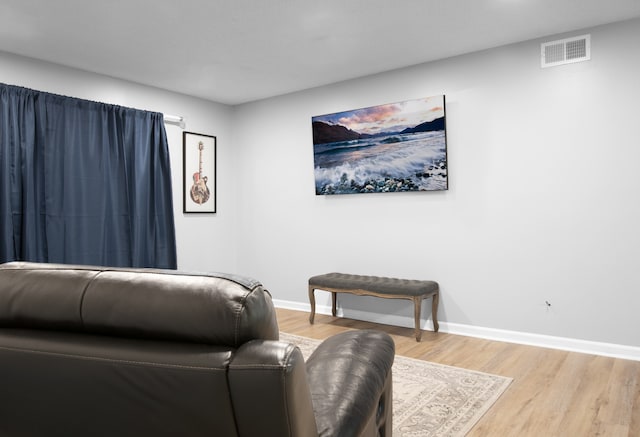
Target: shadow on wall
(397,312)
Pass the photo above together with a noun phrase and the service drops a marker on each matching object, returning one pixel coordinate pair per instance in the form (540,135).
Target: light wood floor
(553,393)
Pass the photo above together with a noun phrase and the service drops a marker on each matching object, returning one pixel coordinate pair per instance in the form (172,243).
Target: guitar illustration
(199,191)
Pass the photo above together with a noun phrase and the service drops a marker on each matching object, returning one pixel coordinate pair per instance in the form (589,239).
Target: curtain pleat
(83,182)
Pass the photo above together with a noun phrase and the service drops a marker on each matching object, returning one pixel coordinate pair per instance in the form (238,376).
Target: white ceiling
(237,51)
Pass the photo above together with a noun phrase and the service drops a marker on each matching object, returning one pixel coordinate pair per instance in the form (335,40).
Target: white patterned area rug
(432,399)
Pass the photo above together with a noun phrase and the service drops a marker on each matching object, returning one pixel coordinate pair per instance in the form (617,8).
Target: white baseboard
(539,340)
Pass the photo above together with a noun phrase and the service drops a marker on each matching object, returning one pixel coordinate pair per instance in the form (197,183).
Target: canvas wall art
(397,147)
(199,173)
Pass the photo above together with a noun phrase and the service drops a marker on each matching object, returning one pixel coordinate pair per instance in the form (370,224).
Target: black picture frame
(199,173)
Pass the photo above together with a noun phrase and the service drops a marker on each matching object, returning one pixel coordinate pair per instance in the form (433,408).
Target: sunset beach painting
(397,147)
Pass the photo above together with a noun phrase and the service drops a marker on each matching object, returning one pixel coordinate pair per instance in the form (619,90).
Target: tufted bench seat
(391,288)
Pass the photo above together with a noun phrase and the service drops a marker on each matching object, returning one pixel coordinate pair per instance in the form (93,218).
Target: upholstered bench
(391,288)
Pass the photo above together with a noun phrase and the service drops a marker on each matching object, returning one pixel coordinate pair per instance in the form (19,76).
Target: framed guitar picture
(199,173)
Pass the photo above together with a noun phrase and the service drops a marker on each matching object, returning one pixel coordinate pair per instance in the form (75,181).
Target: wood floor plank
(623,388)
(554,392)
(634,427)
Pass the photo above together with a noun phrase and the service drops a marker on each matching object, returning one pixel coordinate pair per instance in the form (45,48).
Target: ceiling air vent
(565,51)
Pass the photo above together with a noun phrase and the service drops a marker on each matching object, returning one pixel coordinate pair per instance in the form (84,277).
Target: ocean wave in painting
(397,162)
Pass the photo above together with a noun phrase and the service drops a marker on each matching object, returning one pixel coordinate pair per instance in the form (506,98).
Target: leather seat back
(164,305)
(102,352)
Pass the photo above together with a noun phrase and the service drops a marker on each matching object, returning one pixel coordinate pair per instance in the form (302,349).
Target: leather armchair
(140,352)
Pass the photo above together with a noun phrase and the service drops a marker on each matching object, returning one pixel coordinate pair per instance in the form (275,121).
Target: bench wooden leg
(334,298)
(434,311)
(417,304)
(312,300)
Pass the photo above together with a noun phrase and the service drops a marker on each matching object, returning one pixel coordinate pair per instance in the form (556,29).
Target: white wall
(542,206)
(206,242)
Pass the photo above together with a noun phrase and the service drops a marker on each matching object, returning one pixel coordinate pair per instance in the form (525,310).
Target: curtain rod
(174,119)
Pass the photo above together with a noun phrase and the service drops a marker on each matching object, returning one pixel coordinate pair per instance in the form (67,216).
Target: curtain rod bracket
(174,119)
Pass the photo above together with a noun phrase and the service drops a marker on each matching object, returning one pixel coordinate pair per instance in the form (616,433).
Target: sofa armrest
(269,390)
(349,376)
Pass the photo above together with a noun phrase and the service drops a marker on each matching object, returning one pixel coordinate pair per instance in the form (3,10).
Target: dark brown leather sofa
(88,351)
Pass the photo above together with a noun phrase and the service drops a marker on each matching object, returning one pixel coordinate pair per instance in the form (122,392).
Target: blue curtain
(83,182)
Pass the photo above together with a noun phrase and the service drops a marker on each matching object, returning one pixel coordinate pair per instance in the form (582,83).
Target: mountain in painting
(331,133)
(427,126)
